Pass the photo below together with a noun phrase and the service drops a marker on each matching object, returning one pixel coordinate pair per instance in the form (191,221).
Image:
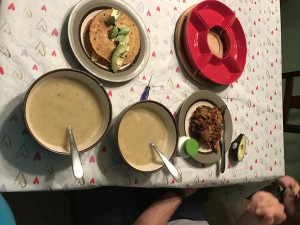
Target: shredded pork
(205,126)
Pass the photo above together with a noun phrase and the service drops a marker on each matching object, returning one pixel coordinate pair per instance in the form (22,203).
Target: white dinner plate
(81,15)
(210,99)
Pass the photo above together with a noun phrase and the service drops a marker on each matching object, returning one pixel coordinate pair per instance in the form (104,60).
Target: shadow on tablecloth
(18,148)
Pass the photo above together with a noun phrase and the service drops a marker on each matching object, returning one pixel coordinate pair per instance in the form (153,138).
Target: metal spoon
(222,141)
(174,172)
(77,166)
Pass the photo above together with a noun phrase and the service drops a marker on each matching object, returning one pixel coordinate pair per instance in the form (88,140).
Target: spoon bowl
(173,171)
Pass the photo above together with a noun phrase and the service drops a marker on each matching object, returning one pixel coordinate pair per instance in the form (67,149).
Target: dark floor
(57,208)
(40,208)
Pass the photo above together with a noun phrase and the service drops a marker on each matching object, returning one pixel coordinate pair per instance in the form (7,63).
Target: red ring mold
(214,42)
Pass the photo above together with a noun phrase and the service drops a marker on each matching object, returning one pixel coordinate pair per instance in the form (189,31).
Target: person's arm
(162,210)
(263,209)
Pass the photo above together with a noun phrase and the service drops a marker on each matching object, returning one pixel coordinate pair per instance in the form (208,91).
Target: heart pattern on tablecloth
(40,45)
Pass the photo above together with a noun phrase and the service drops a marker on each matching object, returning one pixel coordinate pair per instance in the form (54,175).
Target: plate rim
(191,100)
(85,61)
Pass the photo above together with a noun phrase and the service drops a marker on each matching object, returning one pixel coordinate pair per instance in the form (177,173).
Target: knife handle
(223,153)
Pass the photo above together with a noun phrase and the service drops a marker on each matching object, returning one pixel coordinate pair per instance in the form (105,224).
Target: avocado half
(238,148)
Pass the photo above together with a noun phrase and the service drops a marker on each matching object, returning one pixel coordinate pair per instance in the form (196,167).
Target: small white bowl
(63,98)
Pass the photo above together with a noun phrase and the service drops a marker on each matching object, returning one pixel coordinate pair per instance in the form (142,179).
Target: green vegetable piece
(119,38)
(116,63)
(119,60)
(122,26)
(124,53)
(125,40)
(116,14)
(123,30)
(120,49)
(113,33)
(118,57)
(114,66)
(238,148)
(110,21)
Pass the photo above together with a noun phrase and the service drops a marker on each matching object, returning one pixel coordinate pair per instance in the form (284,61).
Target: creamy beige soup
(138,127)
(56,103)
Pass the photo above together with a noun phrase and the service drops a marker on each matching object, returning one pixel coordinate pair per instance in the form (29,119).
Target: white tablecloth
(33,40)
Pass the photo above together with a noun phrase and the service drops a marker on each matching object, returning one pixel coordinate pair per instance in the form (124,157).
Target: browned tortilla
(103,46)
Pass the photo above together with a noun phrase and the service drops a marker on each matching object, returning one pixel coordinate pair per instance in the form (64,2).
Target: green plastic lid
(191,147)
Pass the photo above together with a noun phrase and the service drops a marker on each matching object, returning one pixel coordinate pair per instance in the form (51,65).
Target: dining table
(34,40)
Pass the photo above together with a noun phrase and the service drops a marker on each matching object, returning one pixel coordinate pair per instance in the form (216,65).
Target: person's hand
(292,205)
(287,182)
(291,199)
(265,206)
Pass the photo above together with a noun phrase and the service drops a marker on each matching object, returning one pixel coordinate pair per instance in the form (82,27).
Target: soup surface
(138,127)
(56,103)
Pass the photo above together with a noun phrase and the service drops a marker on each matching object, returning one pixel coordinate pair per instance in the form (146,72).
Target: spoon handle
(77,166)
(173,171)
(223,149)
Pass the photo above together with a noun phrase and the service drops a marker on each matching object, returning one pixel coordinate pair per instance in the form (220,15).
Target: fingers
(296,190)
(267,207)
(287,182)
(292,205)
(274,217)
